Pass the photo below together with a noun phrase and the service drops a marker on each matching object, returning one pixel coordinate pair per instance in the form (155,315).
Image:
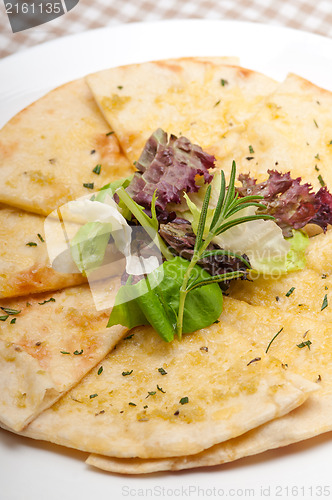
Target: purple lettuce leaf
(169,166)
(291,203)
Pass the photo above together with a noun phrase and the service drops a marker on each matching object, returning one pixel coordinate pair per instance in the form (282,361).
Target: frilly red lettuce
(168,166)
(291,203)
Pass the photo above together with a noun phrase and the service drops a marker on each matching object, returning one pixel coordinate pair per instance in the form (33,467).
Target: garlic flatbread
(152,399)
(48,342)
(291,131)
(305,347)
(48,151)
(24,263)
(202,100)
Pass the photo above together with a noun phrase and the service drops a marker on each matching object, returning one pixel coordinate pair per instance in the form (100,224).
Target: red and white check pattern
(309,15)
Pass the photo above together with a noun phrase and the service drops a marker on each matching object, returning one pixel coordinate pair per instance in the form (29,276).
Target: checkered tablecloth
(309,15)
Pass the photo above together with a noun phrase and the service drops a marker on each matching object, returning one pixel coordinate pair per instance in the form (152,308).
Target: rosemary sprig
(228,204)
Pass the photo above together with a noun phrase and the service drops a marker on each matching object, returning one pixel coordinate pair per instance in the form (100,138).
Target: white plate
(32,470)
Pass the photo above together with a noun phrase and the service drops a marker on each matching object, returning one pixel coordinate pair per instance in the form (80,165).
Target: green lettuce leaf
(89,245)
(293,261)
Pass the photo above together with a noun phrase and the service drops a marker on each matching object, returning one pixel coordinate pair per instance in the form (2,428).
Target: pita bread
(24,263)
(212,390)
(48,342)
(201,100)
(260,324)
(271,398)
(291,131)
(49,150)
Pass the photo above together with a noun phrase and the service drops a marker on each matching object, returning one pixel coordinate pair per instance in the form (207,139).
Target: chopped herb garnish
(93,396)
(277,298)
(290,291)
(109,133)
(276,335)
(28,304)
(100,370)
(129,337)
(316,168)
(10,312)
(88,185)
(316,123)
(321,181)
(78,353)
(251,150)
(249,158)
(151,393)
(324,276)
(92,152)
(97,169)
(325,303)
(127,373)
(65,352)
(120,87)
(184,400)
(160,389)
(132,404)
(254,361)
(307,343)
(216,104)
(223,82)
(3,318)
(12,321)
(40,237)
(46,301)
(162,371)
(145,406)
(31,244)
(317,156)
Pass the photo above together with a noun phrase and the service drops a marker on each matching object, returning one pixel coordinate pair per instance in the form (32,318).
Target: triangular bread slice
(49,150)
(149,398)
(48,342)
(200,99)
(24,262)
(291,131)
(314,360)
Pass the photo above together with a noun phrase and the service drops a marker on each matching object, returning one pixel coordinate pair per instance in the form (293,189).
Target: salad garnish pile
(207,233)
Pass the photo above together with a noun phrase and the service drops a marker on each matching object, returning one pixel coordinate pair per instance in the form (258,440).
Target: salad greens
(155,301)
(207,233)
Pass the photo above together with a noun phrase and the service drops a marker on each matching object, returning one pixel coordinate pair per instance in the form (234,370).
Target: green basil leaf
(146,304)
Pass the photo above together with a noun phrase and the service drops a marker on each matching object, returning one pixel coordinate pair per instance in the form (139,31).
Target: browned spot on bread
(33,279)
(6,150)
(172,67)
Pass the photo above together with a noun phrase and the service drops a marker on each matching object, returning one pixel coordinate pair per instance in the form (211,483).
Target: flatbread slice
(150,398)
(24,262)
(314,417)
(49,150)
(291,131)
(202,100)
(48,342)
